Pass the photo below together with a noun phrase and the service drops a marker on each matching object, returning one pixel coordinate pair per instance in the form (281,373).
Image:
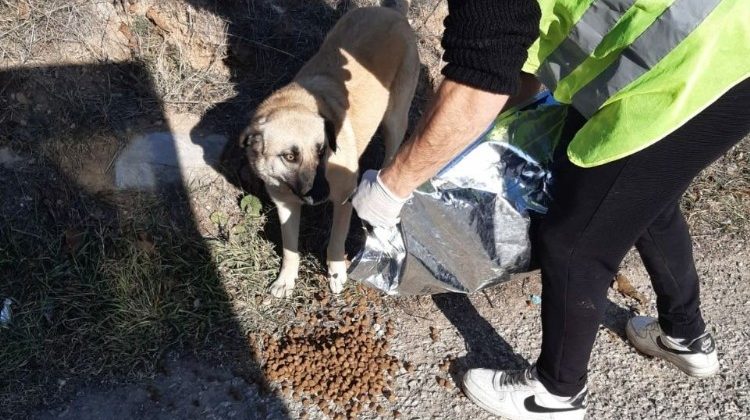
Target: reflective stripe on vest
(638,69)
(674,25)
(583,39)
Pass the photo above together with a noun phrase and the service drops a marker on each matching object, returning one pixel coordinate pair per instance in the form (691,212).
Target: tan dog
(305,140)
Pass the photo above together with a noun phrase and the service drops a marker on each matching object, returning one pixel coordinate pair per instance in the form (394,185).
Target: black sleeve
(486,42)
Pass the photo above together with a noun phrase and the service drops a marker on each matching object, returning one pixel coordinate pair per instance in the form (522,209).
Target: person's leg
(667,252)
(597,216)
(679,334)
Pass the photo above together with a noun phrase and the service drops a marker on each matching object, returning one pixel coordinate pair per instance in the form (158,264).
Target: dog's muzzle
(318,192)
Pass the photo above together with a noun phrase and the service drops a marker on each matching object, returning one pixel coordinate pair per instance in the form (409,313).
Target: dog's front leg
(289,214)
(336,253)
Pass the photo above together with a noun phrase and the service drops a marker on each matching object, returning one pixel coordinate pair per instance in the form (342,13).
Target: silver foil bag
(467,228)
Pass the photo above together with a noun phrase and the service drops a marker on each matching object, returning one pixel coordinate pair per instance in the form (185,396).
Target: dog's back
(369,53)
(376,38)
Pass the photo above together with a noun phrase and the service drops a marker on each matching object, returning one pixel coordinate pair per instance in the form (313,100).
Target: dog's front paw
(336,275)
(283,286)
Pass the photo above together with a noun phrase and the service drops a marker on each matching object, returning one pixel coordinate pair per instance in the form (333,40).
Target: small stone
(22,99)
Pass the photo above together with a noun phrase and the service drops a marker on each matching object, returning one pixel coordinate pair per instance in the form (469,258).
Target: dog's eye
(321,150)
(290,157)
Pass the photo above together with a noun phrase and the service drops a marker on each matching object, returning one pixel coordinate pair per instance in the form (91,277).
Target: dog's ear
(252,140)
(330,130)
(252,137)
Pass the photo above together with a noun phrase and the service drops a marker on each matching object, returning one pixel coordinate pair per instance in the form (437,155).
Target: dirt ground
(139,304)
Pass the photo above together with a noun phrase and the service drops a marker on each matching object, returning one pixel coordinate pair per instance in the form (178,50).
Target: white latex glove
(375,203)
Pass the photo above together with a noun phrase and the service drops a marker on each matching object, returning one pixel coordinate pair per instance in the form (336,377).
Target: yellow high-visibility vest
(638,69)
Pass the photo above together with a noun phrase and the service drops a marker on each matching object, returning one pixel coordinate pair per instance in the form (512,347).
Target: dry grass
(186,63)
(200,53)
(103,285)
(56,31)
(99,291)
(717,203)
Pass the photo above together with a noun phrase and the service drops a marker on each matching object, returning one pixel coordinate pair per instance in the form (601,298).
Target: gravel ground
(496,328)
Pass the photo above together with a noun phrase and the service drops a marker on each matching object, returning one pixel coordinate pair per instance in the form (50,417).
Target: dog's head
(288,149)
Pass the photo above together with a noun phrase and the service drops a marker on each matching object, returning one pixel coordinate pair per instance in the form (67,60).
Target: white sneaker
(518,395)
(696,357)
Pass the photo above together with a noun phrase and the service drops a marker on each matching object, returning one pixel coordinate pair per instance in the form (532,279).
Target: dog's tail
(398,5)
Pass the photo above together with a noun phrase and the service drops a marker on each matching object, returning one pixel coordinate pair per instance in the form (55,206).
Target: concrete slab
(156,159)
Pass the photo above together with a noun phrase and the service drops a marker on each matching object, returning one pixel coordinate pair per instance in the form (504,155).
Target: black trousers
(599,213)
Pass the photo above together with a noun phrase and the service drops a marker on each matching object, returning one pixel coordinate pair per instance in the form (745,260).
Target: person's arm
(457,116)
(485,45)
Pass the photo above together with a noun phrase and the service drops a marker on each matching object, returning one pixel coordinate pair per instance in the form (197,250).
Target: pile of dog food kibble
(336,359)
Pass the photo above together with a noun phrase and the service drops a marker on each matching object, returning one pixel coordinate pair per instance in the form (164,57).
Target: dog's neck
(323,95)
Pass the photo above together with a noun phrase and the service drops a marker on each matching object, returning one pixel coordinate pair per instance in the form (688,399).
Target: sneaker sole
(485,407)
(476,400)
(653,351)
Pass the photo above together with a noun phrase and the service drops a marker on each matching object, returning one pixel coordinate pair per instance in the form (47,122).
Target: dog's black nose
(313,189)
(318,193)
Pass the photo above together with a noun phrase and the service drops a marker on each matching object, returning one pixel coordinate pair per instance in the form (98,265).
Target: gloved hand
(375,204)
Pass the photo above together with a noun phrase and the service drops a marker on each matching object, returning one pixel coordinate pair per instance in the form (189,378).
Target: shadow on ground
(485,348)
(102,282)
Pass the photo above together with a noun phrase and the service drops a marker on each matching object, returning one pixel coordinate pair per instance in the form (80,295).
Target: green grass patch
(96,297)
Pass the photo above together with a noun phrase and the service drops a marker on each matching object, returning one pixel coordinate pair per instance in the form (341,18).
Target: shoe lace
(514,378)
